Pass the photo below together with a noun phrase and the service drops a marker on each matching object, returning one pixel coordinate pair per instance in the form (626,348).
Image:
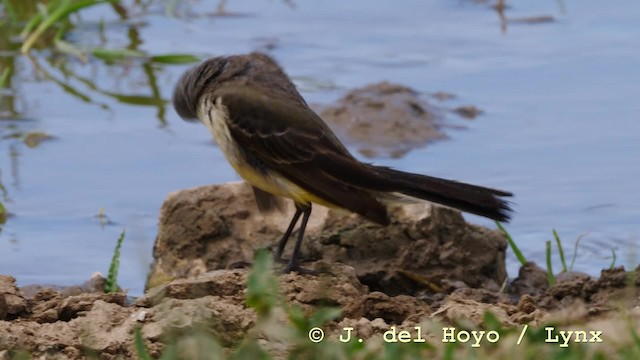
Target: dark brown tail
(465,197)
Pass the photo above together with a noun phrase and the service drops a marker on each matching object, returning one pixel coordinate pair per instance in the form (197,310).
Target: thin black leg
(293,263)
(283,241)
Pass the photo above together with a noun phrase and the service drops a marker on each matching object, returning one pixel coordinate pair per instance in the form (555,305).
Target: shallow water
(560,127)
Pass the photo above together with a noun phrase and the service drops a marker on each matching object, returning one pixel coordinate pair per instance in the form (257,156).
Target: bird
(283,149)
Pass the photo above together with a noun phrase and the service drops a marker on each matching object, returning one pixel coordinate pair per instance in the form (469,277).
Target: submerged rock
(384,119)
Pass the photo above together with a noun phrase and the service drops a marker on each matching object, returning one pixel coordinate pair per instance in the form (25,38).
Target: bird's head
(195,82)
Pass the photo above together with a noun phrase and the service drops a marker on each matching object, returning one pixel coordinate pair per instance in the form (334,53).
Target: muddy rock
(204,229)
(365,328)
(384,119)
(213,305)
(468,112)
(94,285)
(12,302)
(100,327)
(457,308)
(215,227)
(616,288)
(223,283)
(394,310)
(424,247)
(531,280)
(53,325)
(340,288)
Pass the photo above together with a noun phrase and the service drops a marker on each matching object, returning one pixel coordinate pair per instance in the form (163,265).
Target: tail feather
(473,199)
(470,198)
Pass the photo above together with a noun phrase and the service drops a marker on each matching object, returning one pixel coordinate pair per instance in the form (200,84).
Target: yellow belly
(214,117)
(277,185)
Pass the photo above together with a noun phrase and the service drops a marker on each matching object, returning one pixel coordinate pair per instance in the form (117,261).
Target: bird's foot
(300,270)
(277,258)
(295,267)
(240,265)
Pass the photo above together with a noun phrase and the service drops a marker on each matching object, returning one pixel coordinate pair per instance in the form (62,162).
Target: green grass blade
(118,54)
(33,22)
(174,59)
(141,348)
(5,76)
(10,11)
(635,337)
(560,250)
(111,283)
(61,10)
(575,251)
(550,276)
(613,261)
(512,244)
(3,214)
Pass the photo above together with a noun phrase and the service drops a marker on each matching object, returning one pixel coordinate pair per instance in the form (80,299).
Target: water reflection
(61,48)
(37,46)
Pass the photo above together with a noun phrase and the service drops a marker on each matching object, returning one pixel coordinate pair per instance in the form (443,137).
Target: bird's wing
(291,139)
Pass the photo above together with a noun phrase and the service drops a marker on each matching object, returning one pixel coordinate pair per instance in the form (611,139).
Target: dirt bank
(428,269)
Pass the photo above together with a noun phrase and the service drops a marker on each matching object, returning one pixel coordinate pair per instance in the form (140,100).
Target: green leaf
(250,349)
(491,322)
(321,316)
(262,289)
(297,318)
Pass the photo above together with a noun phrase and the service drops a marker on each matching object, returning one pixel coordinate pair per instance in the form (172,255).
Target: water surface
(560,127)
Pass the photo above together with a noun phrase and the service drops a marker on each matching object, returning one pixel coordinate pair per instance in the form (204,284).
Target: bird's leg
(293,263)
(277,255)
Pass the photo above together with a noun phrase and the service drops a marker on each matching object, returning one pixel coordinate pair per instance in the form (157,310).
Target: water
(560,127)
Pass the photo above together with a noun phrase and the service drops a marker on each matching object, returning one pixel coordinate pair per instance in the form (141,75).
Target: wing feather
(292,140)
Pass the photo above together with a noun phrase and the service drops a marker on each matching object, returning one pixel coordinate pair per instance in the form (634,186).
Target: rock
(12,302)
(224,283)
(208,228)
(531,280)
(384,119)
(210,313)
(213,227)
(457,308)
(468,112)
(340,288)
(393,310)
(94,285)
